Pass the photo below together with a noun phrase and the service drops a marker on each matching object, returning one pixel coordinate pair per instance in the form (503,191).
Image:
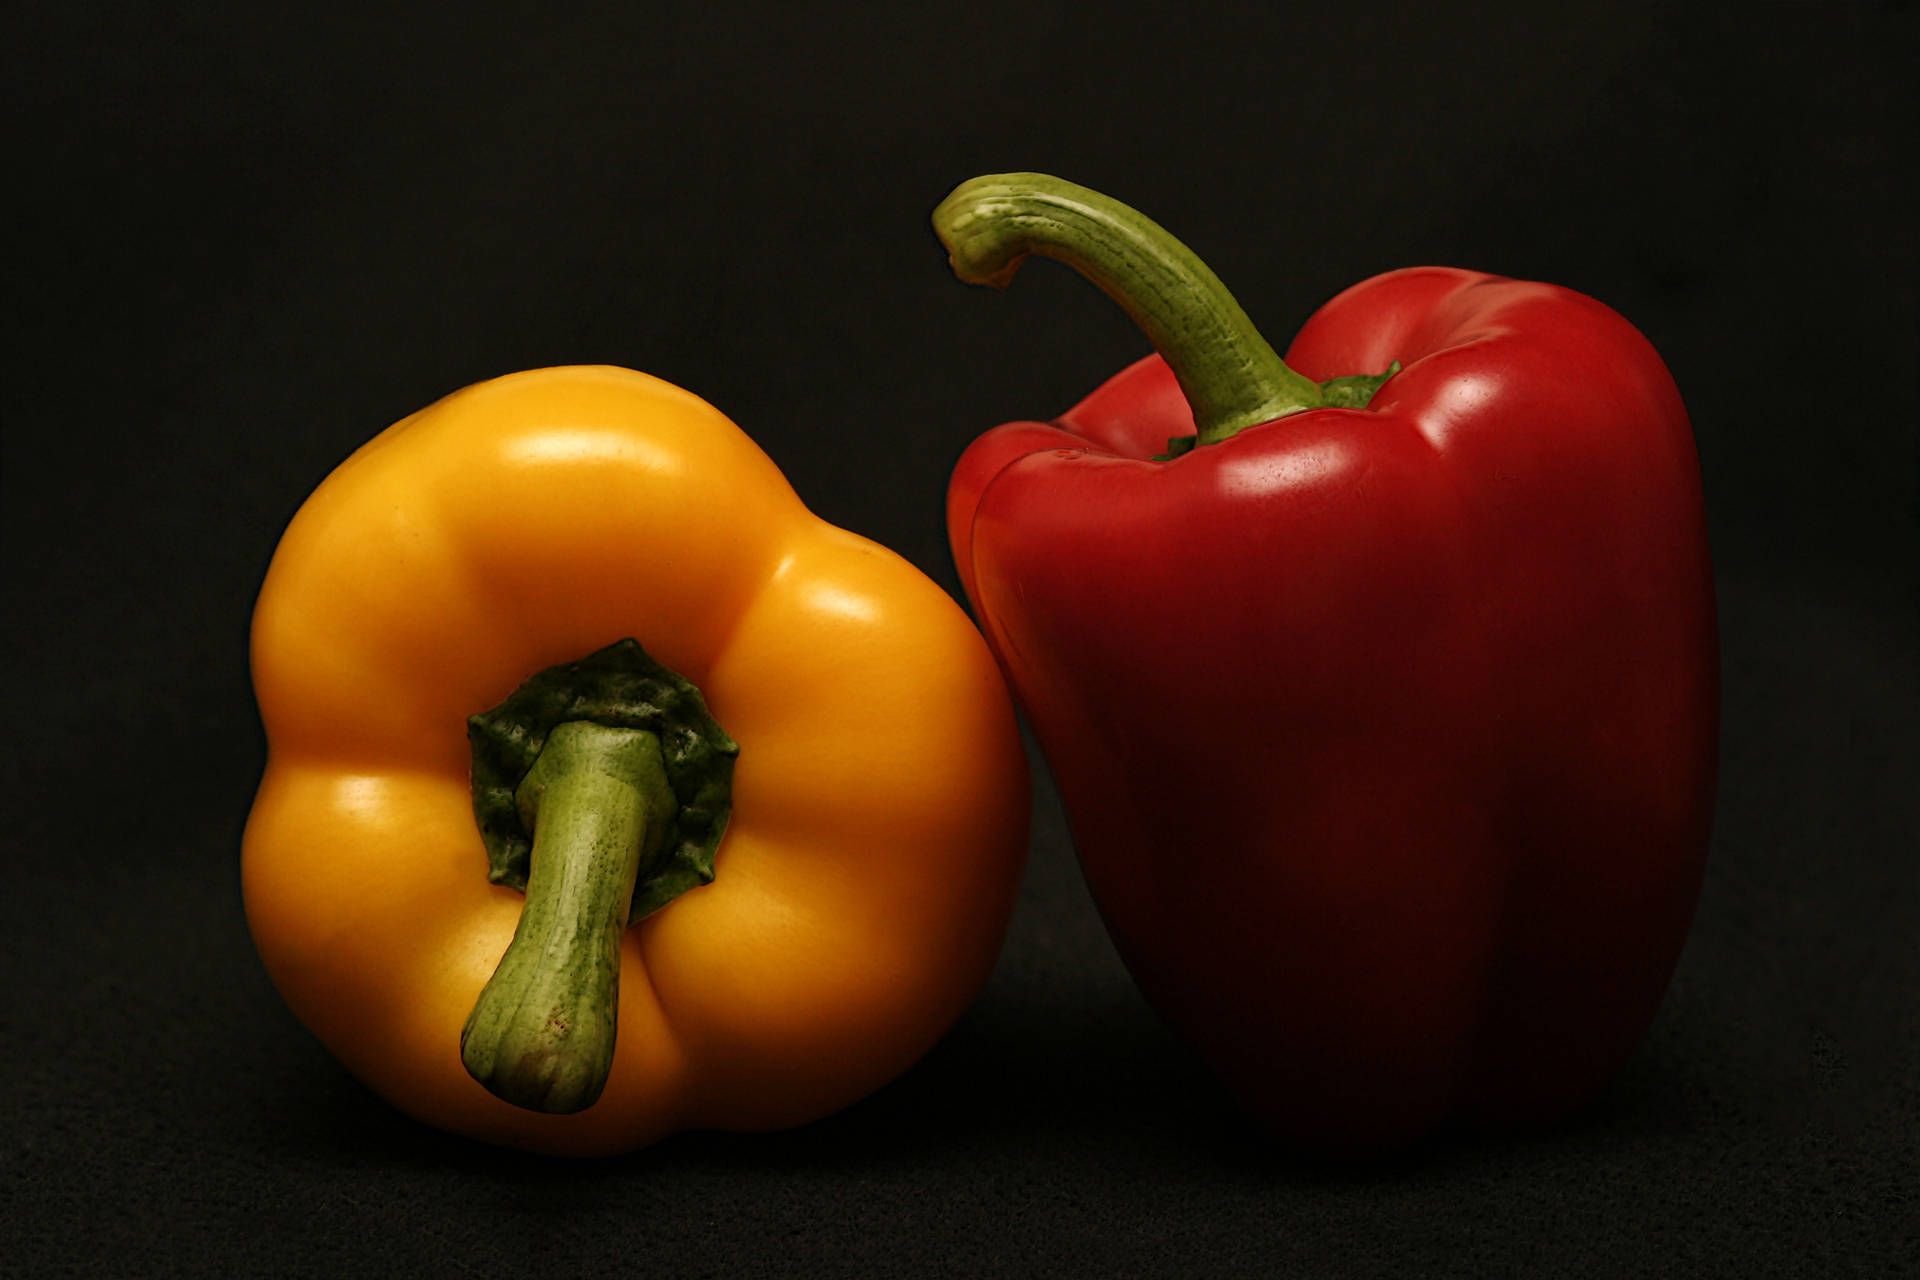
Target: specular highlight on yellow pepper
(487,556)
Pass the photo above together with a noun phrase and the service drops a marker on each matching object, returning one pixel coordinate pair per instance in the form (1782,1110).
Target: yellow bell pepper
(497,556)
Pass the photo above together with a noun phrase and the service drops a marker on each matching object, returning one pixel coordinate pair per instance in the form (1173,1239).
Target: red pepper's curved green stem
(1231,377)
(541,1034)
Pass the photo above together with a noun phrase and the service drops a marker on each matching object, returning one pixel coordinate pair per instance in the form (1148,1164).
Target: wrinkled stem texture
(1230,375)
(542,1033)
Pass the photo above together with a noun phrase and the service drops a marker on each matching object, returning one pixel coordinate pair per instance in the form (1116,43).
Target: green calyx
(1353,391)
(601,789)
(622,687)
(1232,378)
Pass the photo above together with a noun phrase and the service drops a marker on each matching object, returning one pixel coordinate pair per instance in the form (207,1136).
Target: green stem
(1231,377)
(542,1033)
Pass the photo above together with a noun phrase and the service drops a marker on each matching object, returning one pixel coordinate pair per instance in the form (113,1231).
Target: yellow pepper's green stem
(542,1033)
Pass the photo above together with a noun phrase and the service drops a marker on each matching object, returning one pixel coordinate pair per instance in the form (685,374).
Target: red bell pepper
(1382,700)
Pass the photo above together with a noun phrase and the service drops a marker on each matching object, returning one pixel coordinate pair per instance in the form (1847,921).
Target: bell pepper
(1379,681)
(610,792)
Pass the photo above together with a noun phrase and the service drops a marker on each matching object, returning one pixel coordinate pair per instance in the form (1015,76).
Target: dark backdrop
(246,237)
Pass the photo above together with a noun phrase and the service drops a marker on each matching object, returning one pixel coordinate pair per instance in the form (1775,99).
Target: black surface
(248,237)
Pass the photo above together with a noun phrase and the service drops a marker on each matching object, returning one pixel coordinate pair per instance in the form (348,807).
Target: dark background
(248,237)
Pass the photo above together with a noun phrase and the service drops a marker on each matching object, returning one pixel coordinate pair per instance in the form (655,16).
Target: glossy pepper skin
(879,797)
(1387,734)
